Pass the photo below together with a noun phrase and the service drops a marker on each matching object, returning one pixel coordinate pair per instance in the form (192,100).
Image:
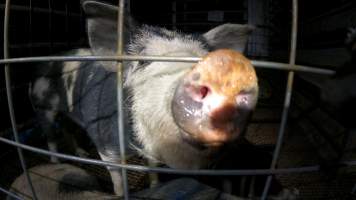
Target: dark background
(47,27)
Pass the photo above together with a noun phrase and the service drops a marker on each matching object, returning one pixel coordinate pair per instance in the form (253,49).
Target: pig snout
(213,101)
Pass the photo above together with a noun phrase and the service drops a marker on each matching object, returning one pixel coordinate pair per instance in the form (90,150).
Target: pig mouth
(209,138)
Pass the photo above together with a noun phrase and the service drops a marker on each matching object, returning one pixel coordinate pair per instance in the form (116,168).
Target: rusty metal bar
(261,64)
(244,172)
(9,96)
(288,96)
(120,85)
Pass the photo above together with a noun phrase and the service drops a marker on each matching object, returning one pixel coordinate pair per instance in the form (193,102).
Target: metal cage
(291,67)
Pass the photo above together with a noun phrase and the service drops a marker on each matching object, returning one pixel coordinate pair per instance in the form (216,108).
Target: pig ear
(102,29)
(231,36)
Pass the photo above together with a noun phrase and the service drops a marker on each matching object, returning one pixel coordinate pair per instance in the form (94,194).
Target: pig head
(181,111)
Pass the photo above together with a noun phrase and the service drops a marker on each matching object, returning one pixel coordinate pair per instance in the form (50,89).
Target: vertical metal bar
(81,20)
(120,50)
(9,96)
(174,15)
(30,39)
(184,15)
(50,18)
(288,95)
(67,23)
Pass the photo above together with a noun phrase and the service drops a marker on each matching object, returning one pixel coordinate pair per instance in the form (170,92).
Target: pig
(58,181)
(339,91)
(338,94)
(176,114)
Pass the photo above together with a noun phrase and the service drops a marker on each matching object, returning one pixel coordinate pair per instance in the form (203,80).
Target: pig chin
(217,141)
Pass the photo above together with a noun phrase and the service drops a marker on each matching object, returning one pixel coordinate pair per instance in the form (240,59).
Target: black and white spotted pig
(179,114)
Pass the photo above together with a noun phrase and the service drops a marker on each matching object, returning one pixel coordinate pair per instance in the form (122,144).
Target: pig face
(176,106)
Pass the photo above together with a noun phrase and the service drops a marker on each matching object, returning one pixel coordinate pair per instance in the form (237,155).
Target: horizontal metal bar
(197,23)
(44,44)
(249,172)
(349,163)
(13,195)
(100,58)
(206,12)
(262,64)
(39,10)
(288,67)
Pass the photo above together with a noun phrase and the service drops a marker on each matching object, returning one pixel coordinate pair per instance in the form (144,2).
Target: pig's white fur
(152,92)
(157,45)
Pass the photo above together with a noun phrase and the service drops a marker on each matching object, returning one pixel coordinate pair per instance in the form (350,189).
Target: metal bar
(288,96)
(174,15)
(67,23)
(261,64)
(249,172)
(30,37)
(349,163)
(120,85)
(13,195)
(81,19)
(338,9)
(50,28)
(205,12)
(9,96)
(44,44)
(39,10)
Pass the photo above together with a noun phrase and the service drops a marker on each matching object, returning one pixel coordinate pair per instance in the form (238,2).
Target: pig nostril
(203,91)
(197,92)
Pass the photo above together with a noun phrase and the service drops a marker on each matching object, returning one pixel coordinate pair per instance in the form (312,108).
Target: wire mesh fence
(291,67)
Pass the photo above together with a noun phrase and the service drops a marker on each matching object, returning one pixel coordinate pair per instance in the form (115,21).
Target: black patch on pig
(74,183)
